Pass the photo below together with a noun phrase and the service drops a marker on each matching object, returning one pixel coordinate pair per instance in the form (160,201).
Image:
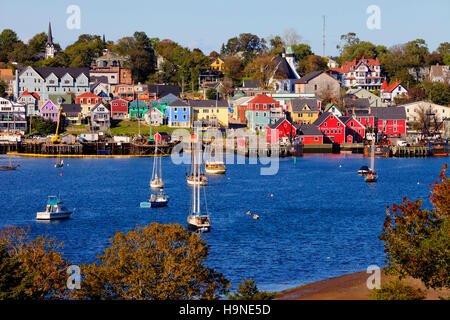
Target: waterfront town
(299,96)
(349,199)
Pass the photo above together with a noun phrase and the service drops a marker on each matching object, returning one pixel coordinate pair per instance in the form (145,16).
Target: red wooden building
(331,127)
(391,121)
(119,109)
(355,131)
(309,134)
(88,98)
(282,130)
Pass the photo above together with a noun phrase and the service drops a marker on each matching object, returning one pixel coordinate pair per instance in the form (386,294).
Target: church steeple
(49,46)
(49,34)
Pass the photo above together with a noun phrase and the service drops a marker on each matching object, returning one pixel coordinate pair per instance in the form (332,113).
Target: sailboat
(10,167)
(60,162)
(372,175)
(196,220)
(213,166)
(156,182)
(199,178)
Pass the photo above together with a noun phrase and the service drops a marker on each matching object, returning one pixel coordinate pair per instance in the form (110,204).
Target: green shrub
(396,290)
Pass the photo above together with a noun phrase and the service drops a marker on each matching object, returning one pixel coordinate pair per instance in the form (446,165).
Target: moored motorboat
(55,210)
(363,170)
(156,201)
(371,177)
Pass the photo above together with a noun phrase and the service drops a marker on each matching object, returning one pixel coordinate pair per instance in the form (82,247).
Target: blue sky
(206,24)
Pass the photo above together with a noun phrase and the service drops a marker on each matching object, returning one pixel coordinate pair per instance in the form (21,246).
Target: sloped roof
(262,98)
(278,123)
(162,90)
(298,104)
(71,110)
(208,103)
(178,103)
(59,72)
(309,76)
(324,116)
(347,67)
(251,84)
(284,70)
(389,113)
(309,130)
(358,103)
(391,87)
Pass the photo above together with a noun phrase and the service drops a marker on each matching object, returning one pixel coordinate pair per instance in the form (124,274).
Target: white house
(389,92)
(12,116)
(414,108)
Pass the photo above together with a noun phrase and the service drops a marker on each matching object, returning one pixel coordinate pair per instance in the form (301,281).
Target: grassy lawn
(130,128)
(124,128)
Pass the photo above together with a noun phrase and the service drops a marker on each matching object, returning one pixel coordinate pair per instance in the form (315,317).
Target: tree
(7,40)
(46,127)
(141,55)
(444,48)
(276,44)
(396,290)
(291,37)
(417,241)
(262,69)
(84,50)
(3,87)
(211,94)
(312,63)
(37,43)
(248,290)
(301,51)
(156,262)
(39,270)
(233,69)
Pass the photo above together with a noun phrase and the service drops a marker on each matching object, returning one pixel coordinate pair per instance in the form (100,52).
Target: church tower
(49,46)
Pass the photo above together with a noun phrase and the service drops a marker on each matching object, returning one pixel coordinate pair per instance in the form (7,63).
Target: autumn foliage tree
(30,268)
(152,262)
(417,241)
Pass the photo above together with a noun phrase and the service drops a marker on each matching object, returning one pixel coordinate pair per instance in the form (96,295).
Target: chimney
(370,110)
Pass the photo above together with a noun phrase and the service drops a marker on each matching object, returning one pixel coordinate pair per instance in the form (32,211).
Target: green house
(137,109)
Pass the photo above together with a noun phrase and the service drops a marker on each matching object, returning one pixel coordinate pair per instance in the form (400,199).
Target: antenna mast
(323,36)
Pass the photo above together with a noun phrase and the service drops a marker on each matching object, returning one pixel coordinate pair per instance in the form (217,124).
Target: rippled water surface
(322,221)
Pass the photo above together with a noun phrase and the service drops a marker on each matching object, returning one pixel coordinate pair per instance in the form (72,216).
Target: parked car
(402,143)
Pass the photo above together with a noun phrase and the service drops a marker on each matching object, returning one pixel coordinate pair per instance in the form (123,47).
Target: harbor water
(318,218)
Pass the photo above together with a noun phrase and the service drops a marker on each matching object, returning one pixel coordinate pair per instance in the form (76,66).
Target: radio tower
(323,36)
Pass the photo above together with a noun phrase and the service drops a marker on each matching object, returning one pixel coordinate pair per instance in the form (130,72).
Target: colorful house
(137,109)
(49,111)
(331,127)
(282,130)
(178,114)
(72,113)
(309,134)
(87,101)
(389,92)
(391,121)
(304,111)
(355,132)
(259,112)
(31,100)
(119,109)
(210,112)
(100,117)
(217,64)
(365,117)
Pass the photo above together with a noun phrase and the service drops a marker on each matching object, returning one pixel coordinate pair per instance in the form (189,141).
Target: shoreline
(349,287)
(37,155)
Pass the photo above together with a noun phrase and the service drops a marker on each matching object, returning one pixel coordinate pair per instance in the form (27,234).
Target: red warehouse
(331,127)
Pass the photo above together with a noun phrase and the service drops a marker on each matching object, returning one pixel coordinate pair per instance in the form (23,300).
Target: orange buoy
(61,174)
(248,213)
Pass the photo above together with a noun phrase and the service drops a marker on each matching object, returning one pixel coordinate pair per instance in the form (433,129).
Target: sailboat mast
(372,156)
(193,176)
(198,163)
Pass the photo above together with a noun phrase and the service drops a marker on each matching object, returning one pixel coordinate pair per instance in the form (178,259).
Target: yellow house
(217,64)
(304,111)
(211,112)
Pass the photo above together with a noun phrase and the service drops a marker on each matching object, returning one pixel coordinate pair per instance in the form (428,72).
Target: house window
(316,138)
(175,117)
(325,124)
(184,117)
(315,87)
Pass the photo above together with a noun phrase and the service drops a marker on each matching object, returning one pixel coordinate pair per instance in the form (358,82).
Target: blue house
(178,114)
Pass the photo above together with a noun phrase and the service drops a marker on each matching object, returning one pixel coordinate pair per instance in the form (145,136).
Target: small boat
(55,210)
(197,220)
(59,164)
(215,167)
(363,170)
(10,167)
(156,181)
(199,180)
(371,177)
(439,150)
(156,201)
